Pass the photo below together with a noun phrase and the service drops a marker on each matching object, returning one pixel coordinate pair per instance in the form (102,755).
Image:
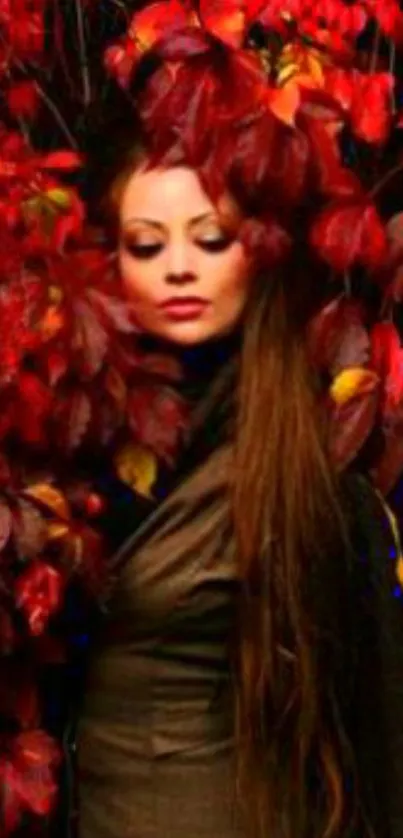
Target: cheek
(233,277)
(138,278)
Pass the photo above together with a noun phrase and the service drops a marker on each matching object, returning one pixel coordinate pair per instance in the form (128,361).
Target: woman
(247,678)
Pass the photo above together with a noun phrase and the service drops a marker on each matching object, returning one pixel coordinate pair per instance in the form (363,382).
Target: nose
(180,278)
(179,269)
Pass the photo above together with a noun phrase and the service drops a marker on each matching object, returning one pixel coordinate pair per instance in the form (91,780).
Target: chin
(189,334)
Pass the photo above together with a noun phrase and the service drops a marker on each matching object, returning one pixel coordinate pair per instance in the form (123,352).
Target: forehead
(167,194)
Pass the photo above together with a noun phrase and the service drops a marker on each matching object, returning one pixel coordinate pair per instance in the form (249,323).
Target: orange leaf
(51,498)
(156,20)
(57,530)
(284,102)
(52,322)
(226,19)
(137,467)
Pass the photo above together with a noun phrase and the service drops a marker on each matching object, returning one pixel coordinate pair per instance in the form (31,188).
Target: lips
(184,308)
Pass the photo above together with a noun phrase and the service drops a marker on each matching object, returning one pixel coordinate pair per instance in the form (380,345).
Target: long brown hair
(290,533)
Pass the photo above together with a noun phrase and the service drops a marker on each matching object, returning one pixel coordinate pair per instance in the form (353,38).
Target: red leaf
(345,235)
(331,178)
(34,748)
(226,19)
(351,425)
(34,758)
(387,360)
(265,241)
(389,466)
(161,18)
(67,227)
(164,366)
(57,365)
(394,231)
(29,530)
(27,774)
(148,26)
(385,343)
(371,113)
(22,99)
(91,335)
(188,43)
(338,338)
(118,313)
(120,61)
(66,161)
(93,567)
(39,591)
(157,416)
(35,400)
(390,18)
(79,417)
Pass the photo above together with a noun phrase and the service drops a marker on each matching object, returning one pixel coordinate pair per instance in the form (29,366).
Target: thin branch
(392,63)
(47,100)
(83,53)
(386,178)
(57,115)
(375,52)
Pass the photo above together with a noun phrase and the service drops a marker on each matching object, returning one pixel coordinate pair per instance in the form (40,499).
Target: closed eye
(144,251)
(216,245)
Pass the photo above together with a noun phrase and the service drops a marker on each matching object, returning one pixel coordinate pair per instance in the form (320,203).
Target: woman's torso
(155,740)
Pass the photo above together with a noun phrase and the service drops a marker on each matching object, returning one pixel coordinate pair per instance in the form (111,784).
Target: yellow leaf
(351,382)
(286,73)
(137,467)
(52,498)
(60,197)
(316,69)
(301,65)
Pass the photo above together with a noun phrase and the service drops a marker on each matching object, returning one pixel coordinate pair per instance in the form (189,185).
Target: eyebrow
(158,225)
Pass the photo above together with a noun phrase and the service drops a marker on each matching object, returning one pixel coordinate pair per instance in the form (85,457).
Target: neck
(200,363)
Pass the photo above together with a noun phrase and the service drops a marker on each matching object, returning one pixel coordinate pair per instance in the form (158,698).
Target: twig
(347,284)
(57,115)
(375,52)
(392,62)
(83,53)
(386,178)
(45,98)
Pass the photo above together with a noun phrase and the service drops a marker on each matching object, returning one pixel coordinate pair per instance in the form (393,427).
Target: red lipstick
(184,308)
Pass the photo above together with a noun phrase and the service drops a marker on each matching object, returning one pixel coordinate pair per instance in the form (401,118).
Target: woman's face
(182,265)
